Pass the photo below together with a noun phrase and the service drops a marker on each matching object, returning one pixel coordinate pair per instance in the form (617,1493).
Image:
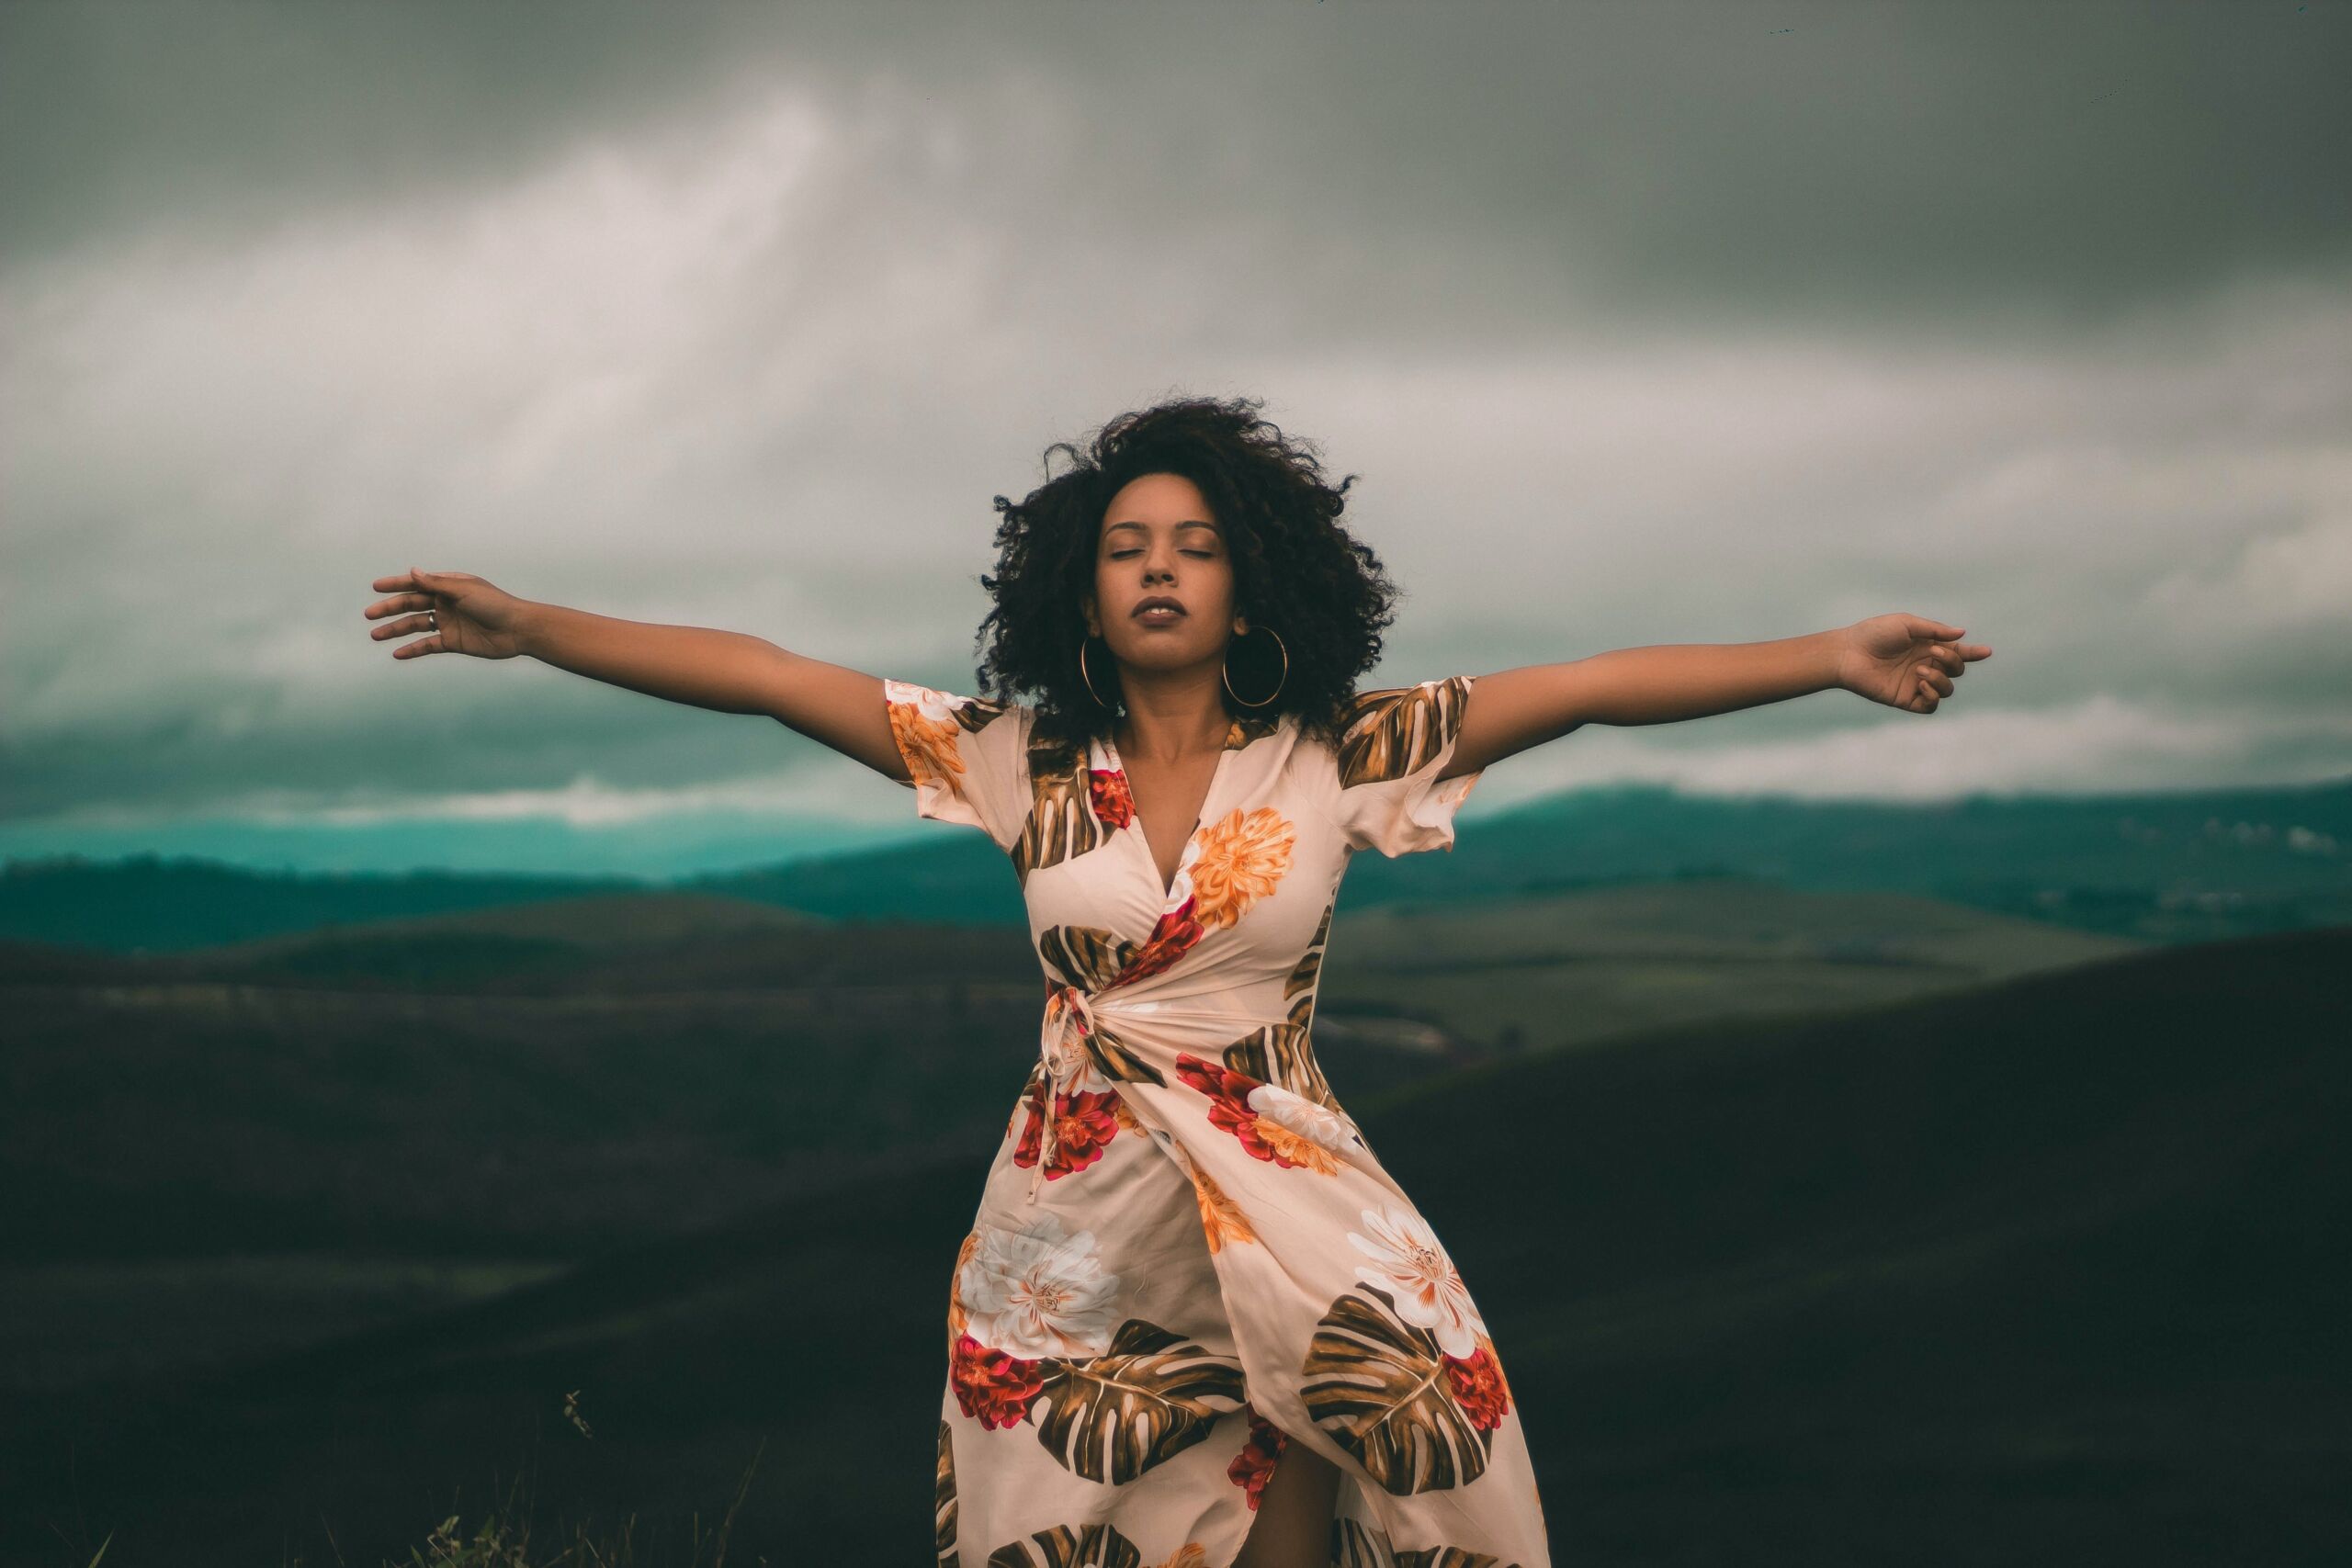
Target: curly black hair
(1295,569)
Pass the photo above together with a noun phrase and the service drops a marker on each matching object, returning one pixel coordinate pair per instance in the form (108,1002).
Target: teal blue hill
(2188,866)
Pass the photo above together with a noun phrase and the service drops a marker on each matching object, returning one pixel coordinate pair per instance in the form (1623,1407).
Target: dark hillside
(2046,1271)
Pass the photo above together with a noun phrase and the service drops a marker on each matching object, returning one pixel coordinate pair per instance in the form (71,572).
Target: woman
(1195,1322)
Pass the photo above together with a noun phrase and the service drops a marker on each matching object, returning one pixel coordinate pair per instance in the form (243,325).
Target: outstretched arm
(731,672)
(1906,662)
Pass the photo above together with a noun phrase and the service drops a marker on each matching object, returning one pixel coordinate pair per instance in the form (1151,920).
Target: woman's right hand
(458,611)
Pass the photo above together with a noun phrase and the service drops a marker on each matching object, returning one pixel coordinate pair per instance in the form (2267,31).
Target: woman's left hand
(1905,661)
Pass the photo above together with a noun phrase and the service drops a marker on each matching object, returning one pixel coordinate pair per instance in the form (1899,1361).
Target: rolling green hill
(544,1081)
(2048,1269)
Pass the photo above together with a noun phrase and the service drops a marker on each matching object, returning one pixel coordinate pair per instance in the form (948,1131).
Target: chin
(1160,651)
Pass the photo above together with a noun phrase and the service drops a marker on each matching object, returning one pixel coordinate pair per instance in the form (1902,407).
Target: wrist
(1831,648)
(532,628)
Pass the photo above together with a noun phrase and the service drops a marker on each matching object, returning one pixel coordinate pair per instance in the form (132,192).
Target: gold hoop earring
(1227,670)
(1084,638)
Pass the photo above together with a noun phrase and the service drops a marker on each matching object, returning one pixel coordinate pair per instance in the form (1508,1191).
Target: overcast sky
(1640,324)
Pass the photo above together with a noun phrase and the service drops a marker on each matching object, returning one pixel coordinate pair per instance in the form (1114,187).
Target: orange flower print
(1308,1132)
(1221,1218)
(1241,857)
(928,742)
(956,1319)
(1254,1465)
(1293,1151)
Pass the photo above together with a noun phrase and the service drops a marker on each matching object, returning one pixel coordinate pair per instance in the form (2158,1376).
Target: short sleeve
(1398,741)
(967,757)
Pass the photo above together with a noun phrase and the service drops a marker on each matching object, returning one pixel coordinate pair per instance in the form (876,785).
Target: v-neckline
(1118,764)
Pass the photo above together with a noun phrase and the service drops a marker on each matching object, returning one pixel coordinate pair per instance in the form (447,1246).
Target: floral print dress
(1185,1255)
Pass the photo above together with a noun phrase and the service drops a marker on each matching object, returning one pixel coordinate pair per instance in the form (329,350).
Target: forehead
(1157,501)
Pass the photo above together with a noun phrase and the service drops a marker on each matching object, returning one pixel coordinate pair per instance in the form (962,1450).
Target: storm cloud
(1639,324)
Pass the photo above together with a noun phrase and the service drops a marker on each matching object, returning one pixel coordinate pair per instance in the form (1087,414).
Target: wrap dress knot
(1186,1257)
(1061,1049)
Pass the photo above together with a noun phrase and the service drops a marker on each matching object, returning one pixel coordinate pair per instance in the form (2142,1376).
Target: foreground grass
(504,1539)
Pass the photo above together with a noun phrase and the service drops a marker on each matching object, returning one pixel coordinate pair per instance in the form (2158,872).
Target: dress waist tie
(1061,1047)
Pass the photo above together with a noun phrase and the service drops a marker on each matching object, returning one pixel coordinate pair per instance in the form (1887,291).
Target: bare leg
(1294,1525)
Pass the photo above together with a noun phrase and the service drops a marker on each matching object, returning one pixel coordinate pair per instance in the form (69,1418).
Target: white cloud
(2298,578)
(2096,744)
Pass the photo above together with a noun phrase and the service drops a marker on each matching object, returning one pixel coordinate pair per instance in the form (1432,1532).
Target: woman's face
(1159,543)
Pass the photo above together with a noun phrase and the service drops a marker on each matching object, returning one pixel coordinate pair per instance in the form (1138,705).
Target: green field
(1980,1243)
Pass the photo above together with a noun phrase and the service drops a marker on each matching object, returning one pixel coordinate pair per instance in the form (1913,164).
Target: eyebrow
(1188,522)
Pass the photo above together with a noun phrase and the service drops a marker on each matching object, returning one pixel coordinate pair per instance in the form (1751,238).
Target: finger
(1921,626)
(1941,657)
(402,627)
(1976,650)
(398,603)
(423,645)
(1938,682)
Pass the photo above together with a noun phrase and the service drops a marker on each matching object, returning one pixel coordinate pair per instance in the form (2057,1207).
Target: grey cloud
(1641,324)
(2043,166)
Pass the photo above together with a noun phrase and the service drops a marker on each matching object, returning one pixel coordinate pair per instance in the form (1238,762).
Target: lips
(1151,605)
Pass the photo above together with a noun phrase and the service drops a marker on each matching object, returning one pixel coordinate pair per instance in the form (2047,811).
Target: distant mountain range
(2193,866)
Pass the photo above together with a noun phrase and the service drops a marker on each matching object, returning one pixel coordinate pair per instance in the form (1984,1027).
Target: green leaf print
(1153,1394)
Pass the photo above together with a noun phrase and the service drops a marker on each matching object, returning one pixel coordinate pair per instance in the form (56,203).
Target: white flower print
(1408,1262)
(1038,1291)
(1074,1068)
(1317,1123)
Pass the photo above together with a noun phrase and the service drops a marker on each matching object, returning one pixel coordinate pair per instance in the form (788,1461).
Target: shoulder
(969,713)
(1390,732)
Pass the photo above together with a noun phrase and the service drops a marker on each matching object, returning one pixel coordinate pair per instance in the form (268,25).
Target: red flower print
(993,1388)
(1083,1124)
(1254,1465)
(1176,934)
(1114,803)
(1477,1384)
(1229,1094)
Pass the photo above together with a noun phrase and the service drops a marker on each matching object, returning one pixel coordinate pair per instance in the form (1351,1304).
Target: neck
(1171,719)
